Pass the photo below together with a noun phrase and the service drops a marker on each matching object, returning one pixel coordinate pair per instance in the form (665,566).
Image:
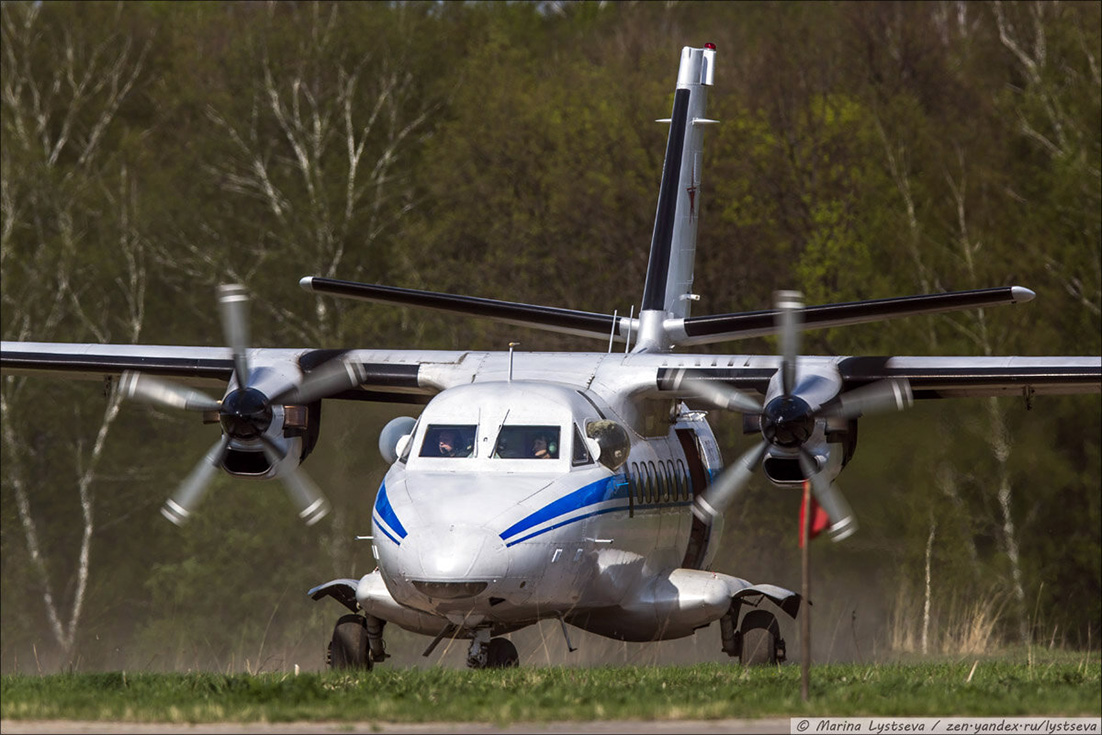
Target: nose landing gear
(491,653)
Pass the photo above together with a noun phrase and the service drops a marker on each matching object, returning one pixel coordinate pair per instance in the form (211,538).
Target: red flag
(819,519)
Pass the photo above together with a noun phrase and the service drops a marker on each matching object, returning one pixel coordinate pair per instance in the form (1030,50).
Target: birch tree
(73,261)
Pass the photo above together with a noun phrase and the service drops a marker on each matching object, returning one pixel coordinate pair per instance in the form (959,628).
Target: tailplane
(668,290)
(663,322)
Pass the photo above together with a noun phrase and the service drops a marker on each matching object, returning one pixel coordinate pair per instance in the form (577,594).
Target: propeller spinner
(789,423)
(245,414)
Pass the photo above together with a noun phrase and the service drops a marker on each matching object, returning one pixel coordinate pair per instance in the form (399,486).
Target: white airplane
(586,487)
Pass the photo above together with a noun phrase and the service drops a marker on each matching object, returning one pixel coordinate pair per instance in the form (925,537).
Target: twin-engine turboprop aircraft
(586,487)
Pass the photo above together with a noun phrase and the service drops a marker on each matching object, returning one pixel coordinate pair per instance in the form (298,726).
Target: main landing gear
(357,643)
(758,640)
(491,653)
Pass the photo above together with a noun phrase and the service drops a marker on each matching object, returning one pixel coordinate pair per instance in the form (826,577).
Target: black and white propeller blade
(233,304)
(790,421)
(327,379)
(245,413)
(718,496)
(178,508)
(308,499)
(160,392)
(789,305)
(719,395)
(878,397)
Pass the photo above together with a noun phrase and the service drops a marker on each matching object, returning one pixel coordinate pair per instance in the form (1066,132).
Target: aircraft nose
(457,561)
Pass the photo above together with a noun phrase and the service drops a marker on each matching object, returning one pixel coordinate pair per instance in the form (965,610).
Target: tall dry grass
(958,626)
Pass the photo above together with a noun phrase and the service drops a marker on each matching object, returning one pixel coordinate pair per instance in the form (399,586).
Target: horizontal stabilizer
(565,321)
(723,327)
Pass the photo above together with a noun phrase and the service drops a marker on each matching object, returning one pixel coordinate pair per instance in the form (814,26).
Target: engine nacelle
(293,431)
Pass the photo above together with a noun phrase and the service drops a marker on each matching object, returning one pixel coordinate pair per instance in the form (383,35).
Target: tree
(74,262)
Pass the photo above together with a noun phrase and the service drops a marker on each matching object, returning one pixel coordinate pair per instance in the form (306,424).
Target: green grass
(705,691)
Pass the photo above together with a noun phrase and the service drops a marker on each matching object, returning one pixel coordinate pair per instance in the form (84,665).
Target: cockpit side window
(409,443)
(449,440)
(527,442)
(581,451)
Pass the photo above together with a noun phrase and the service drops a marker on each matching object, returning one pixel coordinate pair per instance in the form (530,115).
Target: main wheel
(501,654)
(348,649)
(760,634)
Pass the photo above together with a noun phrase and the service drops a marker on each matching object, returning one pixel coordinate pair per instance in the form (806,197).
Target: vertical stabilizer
(668,290)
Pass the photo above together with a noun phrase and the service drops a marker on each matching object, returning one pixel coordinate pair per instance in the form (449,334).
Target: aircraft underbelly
(664,607)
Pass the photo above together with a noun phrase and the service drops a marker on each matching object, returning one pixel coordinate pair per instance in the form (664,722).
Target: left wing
(388,375)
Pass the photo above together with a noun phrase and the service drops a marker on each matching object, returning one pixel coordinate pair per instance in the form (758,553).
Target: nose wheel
(491,653)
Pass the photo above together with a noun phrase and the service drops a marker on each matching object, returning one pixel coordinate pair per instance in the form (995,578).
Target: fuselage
(502,509)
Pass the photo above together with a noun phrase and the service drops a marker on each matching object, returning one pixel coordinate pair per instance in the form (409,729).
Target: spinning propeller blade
(842,521)
(178,508)
(245,414)
(878,397)
(325,380)
(164,393)
(790,421)
(233,304)
(790,307)
(721,493)
(311,503)
(720,395)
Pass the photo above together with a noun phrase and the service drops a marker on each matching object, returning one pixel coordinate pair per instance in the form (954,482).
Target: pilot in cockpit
(541,449)
(446,443)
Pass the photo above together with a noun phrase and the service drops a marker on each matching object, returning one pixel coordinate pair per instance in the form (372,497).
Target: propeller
(245,413)
(789,421)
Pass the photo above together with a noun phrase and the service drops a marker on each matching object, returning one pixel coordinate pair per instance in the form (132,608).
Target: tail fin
(668,290)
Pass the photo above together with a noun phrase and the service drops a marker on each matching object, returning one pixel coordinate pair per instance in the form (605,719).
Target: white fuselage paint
(560,537)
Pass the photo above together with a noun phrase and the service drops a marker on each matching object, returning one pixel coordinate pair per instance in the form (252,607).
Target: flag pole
(805,633)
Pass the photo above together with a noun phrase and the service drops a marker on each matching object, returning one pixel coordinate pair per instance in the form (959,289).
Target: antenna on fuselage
(511,346)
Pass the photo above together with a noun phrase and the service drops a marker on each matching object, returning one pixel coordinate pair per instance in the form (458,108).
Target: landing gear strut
(758,640)
(491,653)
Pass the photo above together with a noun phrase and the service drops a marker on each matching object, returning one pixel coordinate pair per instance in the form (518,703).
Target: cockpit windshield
(449,440)
(527,442)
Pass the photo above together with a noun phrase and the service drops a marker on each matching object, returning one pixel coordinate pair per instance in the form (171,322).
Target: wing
(929,377)
(388,375)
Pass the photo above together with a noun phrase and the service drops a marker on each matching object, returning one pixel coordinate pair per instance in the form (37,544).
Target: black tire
(348,649)
(760,633)
(501,654)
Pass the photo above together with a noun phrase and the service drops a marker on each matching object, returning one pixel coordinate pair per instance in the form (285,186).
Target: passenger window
(527,442)
(449,440)
(637,483)
(652,493)
(667,475)
(683,480)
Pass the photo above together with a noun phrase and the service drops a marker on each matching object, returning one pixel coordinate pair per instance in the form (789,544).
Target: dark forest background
(152,150)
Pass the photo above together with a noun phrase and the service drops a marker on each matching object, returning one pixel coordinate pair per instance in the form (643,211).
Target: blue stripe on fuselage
(387,514)
(591,494)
